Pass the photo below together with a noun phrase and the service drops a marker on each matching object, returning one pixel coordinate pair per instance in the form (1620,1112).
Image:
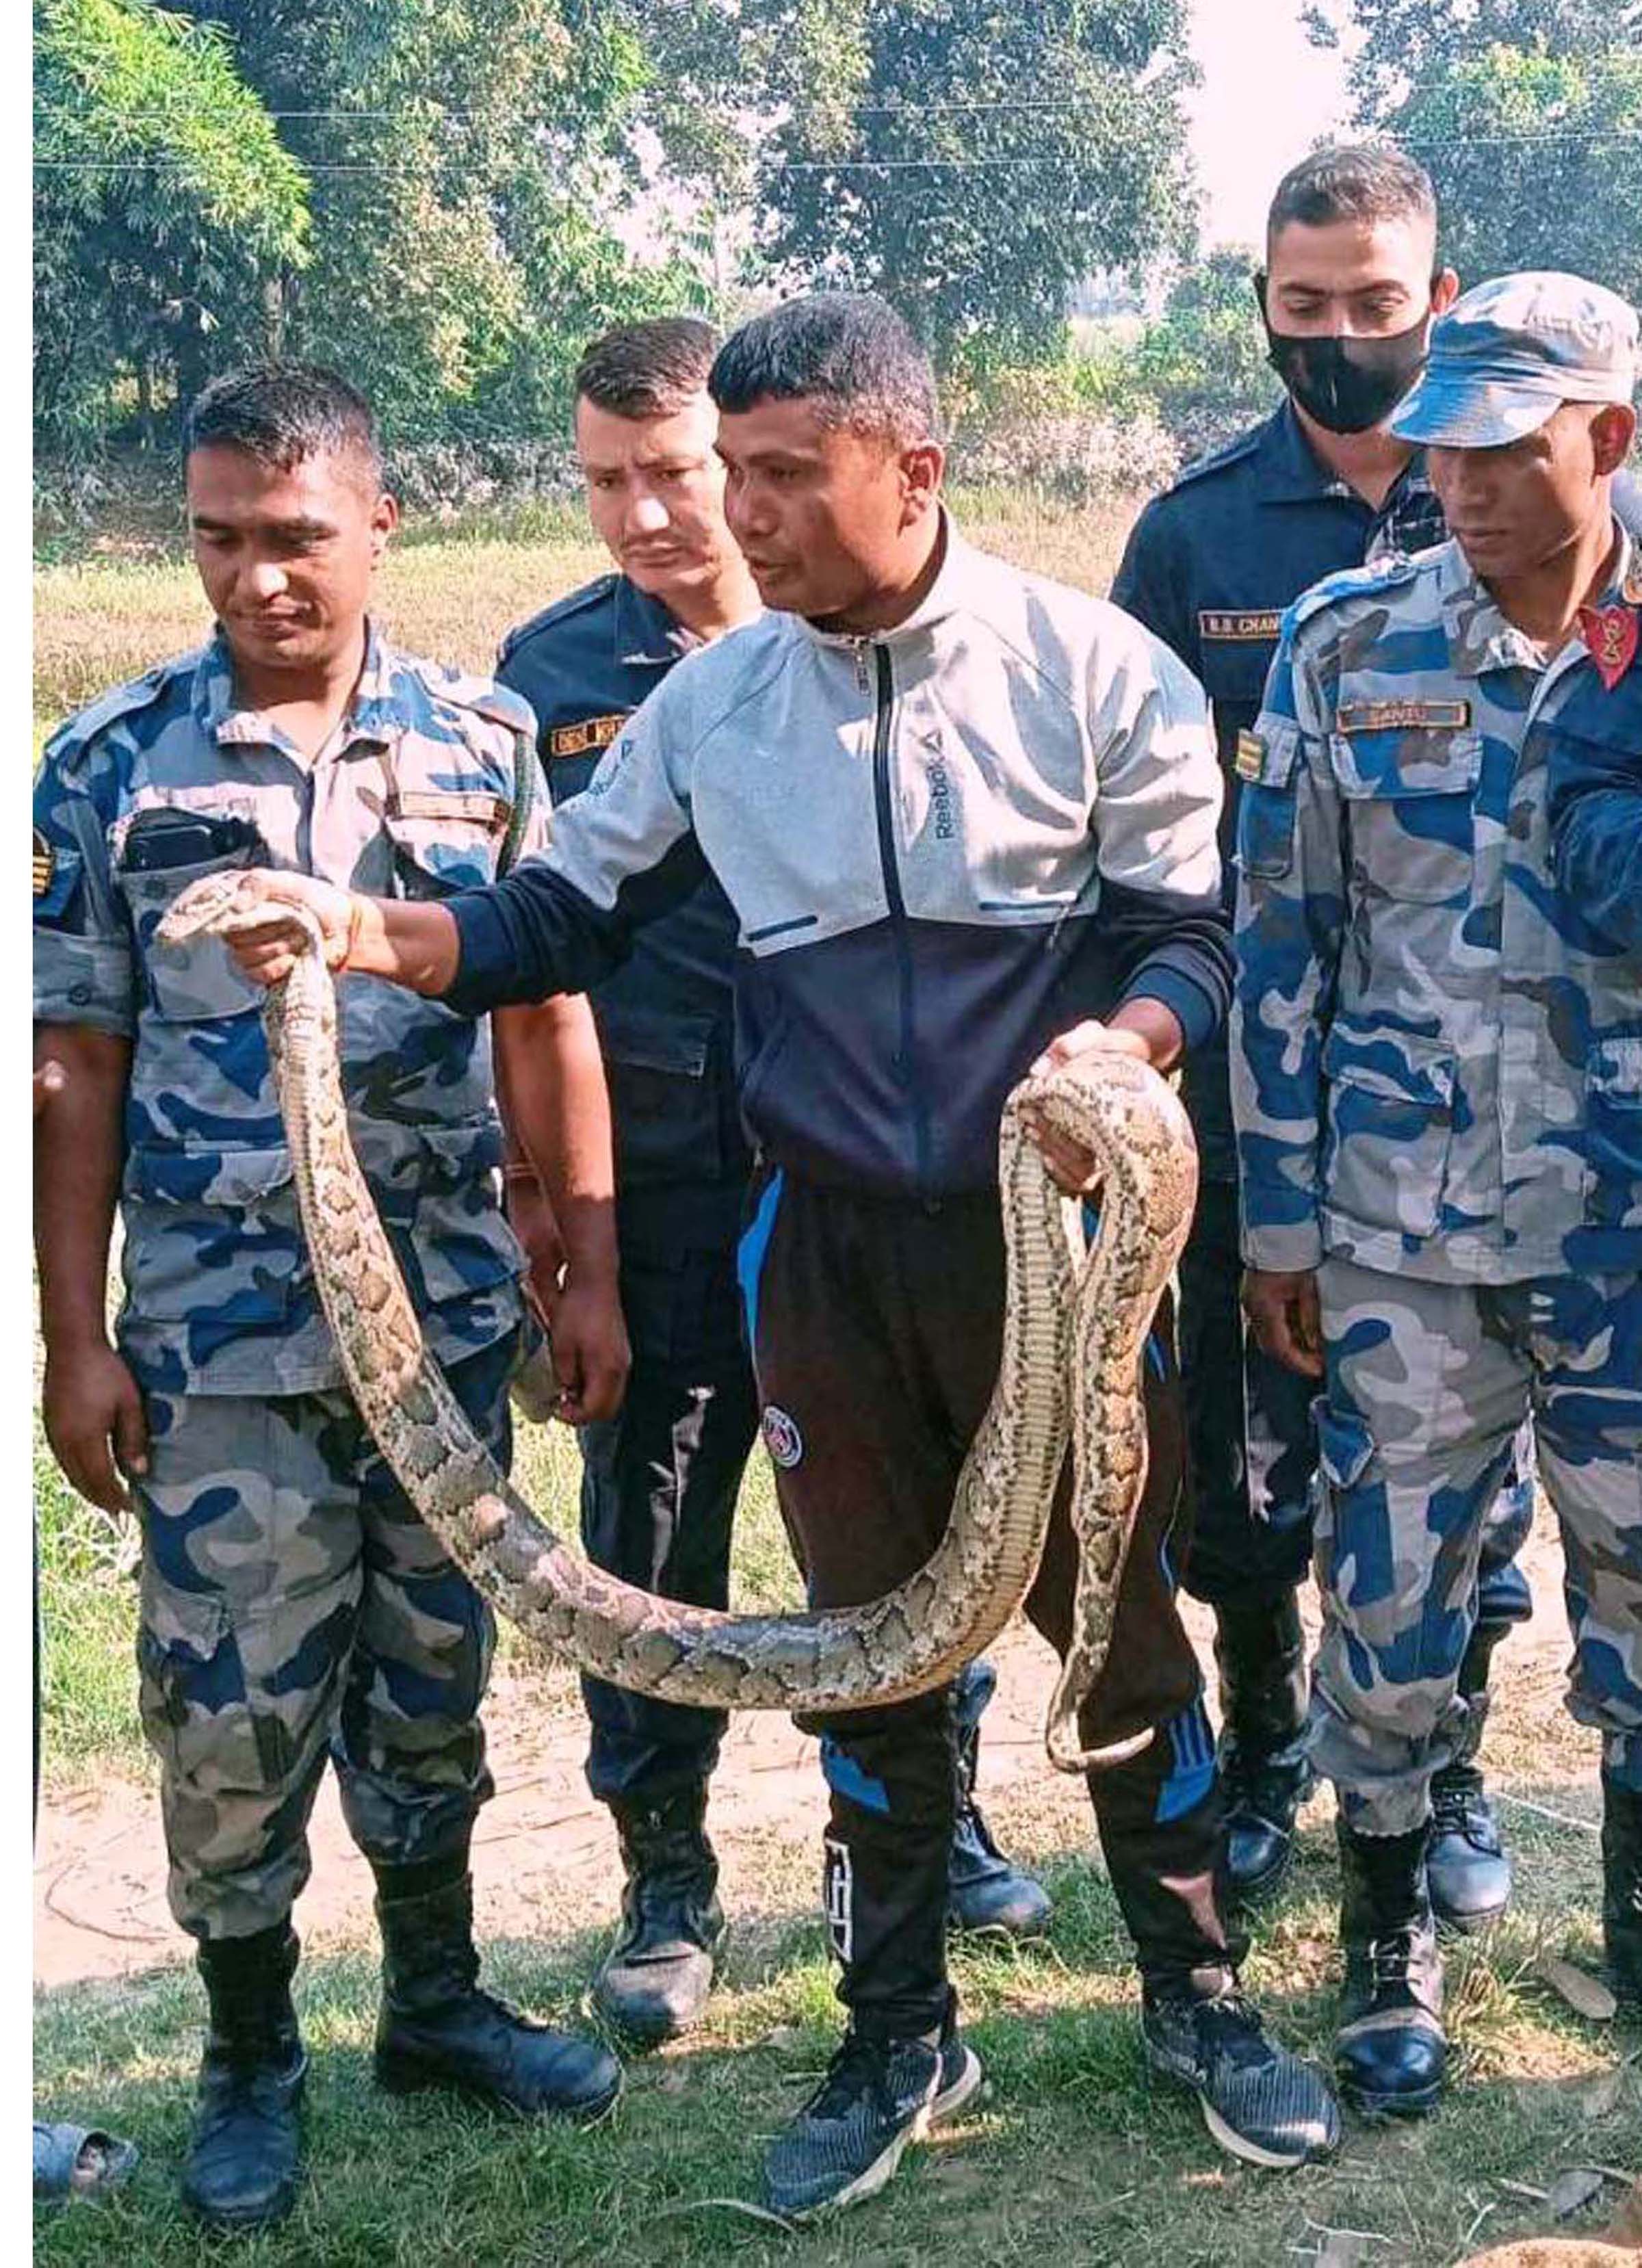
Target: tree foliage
(446,198)
(1527,114)
(164,199)
(975,160)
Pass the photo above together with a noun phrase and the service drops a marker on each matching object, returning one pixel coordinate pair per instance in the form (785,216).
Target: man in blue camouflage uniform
(1351,283)
(1593,767)
(292,1603)
(660,1479)
(1434,1068)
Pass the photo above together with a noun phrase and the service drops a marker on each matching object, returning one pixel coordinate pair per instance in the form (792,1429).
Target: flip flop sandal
(79,2161)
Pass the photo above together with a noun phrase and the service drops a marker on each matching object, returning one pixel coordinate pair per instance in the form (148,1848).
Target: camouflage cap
(1507,356)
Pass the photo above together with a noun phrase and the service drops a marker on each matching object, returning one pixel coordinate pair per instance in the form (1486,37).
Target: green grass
(1071,2160)
(1072,2155)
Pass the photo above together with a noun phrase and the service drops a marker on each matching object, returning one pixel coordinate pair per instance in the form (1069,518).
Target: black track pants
(875,1329)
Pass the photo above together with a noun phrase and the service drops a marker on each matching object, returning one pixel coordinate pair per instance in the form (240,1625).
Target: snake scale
(1075,1322)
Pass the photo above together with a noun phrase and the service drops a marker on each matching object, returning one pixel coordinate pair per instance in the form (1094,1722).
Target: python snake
(1075,1321)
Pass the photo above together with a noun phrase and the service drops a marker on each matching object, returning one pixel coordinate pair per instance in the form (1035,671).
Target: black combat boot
(1260,1651)
(1466,1864)
(1622,1889)
(656,1977)
(1390,2050)
(245,2154)
(984,1890)
(437,2030)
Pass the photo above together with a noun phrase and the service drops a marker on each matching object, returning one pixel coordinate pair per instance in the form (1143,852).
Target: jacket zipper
(897,907)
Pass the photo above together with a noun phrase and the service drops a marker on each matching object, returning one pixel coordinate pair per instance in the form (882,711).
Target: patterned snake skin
(1074,1331)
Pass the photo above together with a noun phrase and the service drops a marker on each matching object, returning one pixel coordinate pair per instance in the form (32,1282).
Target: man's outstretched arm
(622,853)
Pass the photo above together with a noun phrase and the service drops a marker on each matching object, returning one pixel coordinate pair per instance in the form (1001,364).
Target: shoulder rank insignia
(580,739)
(1403,715)
(1250,760)
(45,864)
(1611,634)
(1216,622)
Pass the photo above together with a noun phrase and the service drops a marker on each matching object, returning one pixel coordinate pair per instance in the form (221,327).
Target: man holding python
(960,813)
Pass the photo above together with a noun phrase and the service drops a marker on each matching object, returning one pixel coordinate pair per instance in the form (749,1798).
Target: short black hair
(281,413)
(847,352)
(647,369)
(1352,180)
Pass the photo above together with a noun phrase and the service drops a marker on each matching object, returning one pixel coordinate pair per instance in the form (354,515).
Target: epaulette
(573,602)
(1385,574)
(1241,446)
(464,689)
(77,734)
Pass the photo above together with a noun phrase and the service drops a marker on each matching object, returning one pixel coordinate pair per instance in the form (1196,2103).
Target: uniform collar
(1480,637)
(647,634)
(379,710)
(1293,472)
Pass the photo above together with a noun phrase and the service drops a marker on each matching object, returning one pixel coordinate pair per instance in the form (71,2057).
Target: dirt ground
(544,1849)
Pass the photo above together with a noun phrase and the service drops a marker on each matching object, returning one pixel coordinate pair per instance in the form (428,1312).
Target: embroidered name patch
(1249,762)
(581,740)
(1262,624)
(1403,715)
(453,803)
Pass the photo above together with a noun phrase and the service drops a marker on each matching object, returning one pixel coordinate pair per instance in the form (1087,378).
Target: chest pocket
(445,839)
(1410,797)
(159,850)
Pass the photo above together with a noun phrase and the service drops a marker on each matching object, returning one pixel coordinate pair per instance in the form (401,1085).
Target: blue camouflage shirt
(1436,1058)
(1211,567)
(666,1018)
(169,779)
(1595,773)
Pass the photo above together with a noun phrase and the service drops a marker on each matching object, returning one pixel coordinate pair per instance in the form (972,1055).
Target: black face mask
(1347,385)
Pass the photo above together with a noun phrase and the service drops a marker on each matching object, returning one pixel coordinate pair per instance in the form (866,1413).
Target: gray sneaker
(848,2140)
(1260,2102)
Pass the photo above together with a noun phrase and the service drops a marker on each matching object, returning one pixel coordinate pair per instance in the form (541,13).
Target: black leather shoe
(1390,2051)
(1260,1649)
(655,1979)
(1622,1889)
(984,1890)
(437,2030)
(1467,1865)
(244,2155)
(1467,1868)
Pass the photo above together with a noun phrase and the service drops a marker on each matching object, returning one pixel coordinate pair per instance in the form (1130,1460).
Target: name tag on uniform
(1249,762)
(1403,715)
(581,740)
(1248,629)
(491,810)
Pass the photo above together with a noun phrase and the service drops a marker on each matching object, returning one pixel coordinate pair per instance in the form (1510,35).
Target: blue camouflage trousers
(1426,1386)
(294,1605)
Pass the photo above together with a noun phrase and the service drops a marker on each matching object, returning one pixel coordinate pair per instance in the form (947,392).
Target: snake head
(218,904)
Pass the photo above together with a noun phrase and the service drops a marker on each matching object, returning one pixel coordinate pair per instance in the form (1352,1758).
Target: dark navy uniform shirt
(666,1018)
(1211,566)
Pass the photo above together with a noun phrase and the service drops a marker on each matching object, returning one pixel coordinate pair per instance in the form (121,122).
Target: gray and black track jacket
(944,844)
